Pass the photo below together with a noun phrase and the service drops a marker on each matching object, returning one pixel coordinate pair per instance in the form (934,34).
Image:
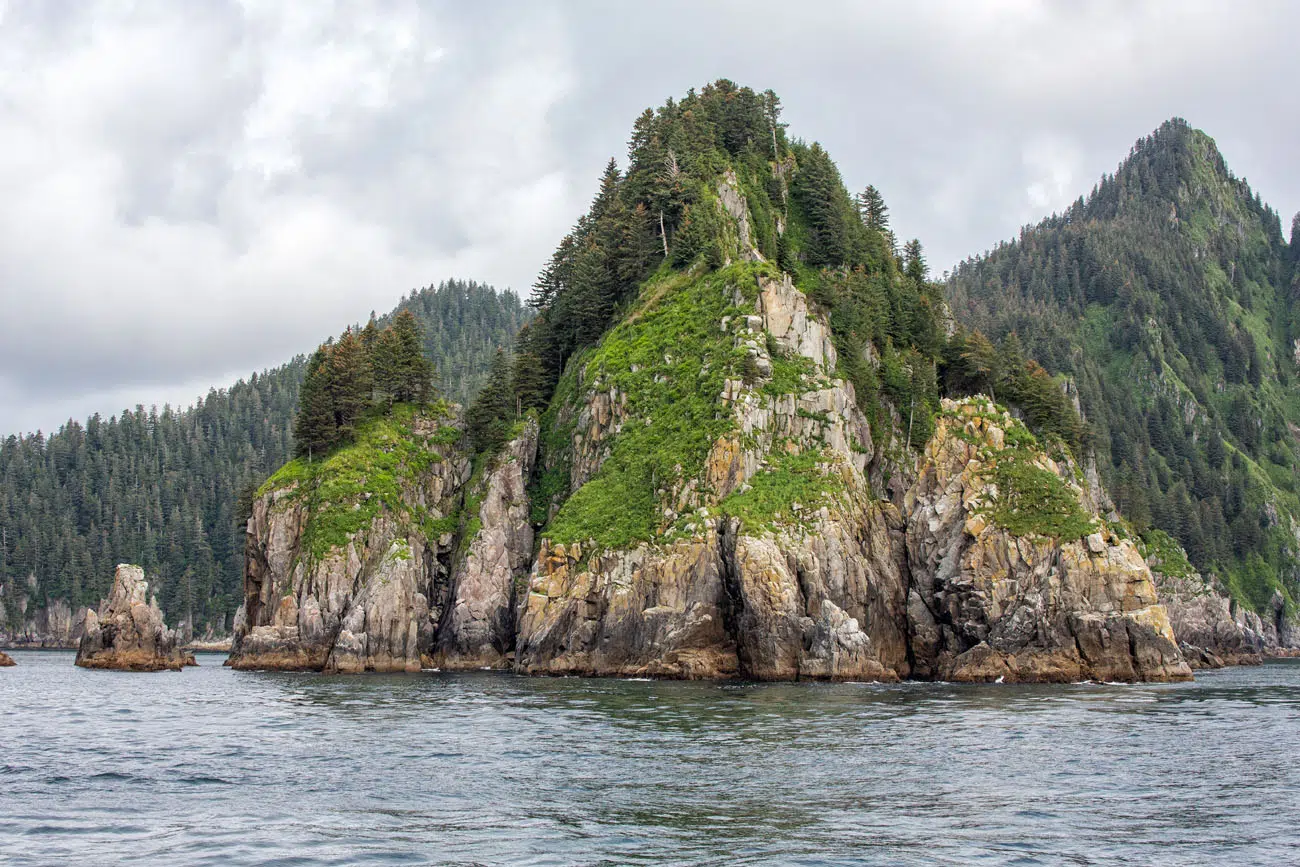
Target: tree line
(362,369)
(170,488)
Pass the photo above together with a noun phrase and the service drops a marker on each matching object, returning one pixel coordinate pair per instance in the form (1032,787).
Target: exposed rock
(822,601)
(216,645)
(478,629)
(988,605)
(371,603)
(1213,631)
(651,611)
(734,204)
(56,625)
(128,632)
(849,587)
(6,660)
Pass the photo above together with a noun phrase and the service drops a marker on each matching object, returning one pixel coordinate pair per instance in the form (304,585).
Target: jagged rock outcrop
(6,660)
(478,628)
(989,605)
(367,597)
(56,625)
(1212,630)
(128,632)
(654,610)
(817,596)
(821,600)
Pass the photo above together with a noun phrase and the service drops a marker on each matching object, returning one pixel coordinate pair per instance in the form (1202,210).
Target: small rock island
(128,632)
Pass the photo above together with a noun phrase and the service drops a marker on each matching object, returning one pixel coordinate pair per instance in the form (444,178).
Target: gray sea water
(211,766)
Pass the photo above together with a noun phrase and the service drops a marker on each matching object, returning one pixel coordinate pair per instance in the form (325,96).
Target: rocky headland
(778,560)
(128,633)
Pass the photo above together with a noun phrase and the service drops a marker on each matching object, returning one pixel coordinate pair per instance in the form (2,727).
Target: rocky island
(128,632)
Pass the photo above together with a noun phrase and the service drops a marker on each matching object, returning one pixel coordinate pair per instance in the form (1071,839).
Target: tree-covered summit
(716,196)
(1168,295)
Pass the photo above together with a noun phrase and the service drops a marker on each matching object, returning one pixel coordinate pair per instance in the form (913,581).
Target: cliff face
(776,559)
(478,628)
(128,632)
(990,603)
(54,626)
(1213,631)
(347,562)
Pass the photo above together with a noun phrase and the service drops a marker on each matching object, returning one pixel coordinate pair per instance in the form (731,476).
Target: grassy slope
(346,490)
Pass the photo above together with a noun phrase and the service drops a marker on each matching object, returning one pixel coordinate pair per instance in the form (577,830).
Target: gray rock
(128,632)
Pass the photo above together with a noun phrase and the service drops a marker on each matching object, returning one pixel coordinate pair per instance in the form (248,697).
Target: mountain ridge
(1172,274)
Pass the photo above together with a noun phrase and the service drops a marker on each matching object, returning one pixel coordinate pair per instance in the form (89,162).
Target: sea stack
(6,660)
(128,632)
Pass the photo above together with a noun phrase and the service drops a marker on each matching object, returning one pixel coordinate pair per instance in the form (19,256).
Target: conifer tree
(314,429)
(413,371)
(914,264)
(351,382)
(873,210)
(488,419)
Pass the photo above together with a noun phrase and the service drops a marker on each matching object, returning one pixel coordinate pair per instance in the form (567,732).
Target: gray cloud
(195,190)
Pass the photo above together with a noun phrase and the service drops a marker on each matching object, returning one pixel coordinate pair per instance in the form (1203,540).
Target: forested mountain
(163,488)
(719,450)
(1169,297)
(714,186)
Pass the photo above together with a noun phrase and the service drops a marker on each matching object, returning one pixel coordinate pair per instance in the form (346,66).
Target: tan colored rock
(987,605)
(6,660)
(128,632)
(653,611)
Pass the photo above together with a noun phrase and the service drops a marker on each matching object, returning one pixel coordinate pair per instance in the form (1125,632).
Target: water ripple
(213,766)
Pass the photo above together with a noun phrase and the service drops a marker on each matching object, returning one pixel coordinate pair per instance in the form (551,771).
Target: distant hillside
(163,488)
(1169,297)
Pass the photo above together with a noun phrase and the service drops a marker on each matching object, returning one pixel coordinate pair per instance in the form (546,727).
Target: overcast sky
(191,191)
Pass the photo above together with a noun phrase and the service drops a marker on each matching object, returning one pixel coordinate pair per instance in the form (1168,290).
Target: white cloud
(187,189)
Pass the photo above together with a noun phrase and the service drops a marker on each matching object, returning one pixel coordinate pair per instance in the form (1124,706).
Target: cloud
(191,189)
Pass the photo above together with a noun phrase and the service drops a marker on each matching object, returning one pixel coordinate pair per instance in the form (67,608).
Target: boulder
(128,632)
(6,660)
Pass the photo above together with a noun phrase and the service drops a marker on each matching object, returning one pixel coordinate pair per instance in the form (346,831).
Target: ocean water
(211,766)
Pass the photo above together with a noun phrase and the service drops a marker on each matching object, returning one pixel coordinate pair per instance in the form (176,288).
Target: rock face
(985,604)
(57,625)
(6,660)
(478,629)
(128,632)
(369,599)
(1212,631)
(842,585)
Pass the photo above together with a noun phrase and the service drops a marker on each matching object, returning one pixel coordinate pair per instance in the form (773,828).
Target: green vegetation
(789,491)
(362,369)
(1168,298)
(1156,544)
(346,490)
(669,359)
(651,255)
(1031,500)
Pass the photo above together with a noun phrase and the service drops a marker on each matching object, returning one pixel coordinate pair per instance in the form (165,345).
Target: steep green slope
(162,489)
(634,344)
(1168,297)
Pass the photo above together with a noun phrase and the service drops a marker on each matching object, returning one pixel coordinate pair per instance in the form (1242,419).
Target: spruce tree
(873,210)
(488,419)
(351,383)
(314,429)
(413,371)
